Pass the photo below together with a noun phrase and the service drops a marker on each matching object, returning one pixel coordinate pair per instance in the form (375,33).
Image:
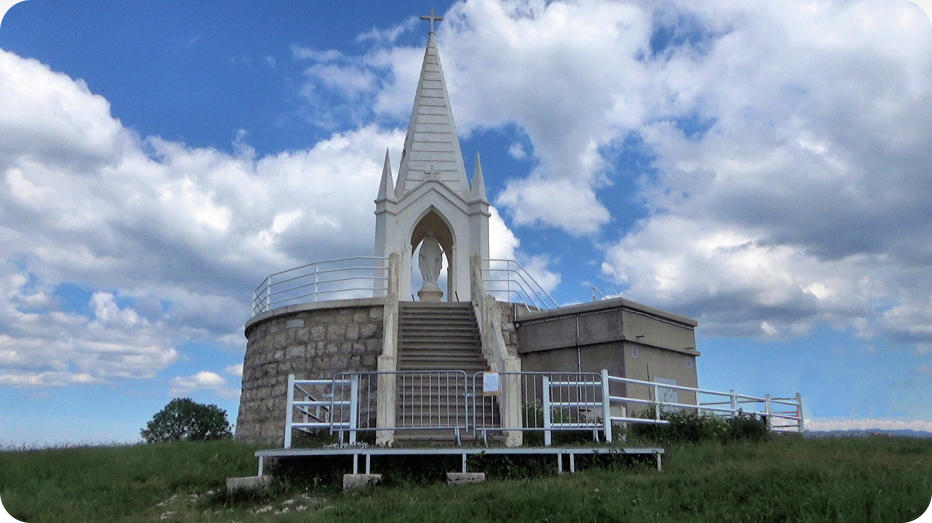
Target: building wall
(310,341)
(652,363)
(602,335)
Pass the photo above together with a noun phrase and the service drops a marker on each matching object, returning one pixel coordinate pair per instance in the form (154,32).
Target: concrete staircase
(437,336)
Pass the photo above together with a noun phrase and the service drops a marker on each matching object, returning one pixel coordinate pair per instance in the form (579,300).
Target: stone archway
(433,224)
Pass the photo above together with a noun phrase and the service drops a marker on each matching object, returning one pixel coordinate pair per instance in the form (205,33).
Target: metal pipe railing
(525,286)
(549,401)
(366,275)
(524,276)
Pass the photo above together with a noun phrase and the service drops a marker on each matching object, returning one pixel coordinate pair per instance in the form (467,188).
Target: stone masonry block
(465,478)
(248,483)
(367,330)
(336,332)
(355,481)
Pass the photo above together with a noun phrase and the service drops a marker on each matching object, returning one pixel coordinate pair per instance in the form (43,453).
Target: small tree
(184,419)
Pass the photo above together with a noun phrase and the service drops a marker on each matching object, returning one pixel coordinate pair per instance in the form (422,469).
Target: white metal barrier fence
(549,401)
(356,277)
(508,280)
(348,403)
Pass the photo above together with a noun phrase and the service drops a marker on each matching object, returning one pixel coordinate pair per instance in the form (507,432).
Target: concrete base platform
(354,481)
(465,478)
(248,483)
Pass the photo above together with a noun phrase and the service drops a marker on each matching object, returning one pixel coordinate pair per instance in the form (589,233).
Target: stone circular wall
(311,341)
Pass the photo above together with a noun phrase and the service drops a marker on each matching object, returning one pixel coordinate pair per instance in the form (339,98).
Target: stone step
(430,315)
(451,362)
(427,310)
(472,369)
(438,346)
(415,419)
(438,382)
(427,423)
(431,346)
(435,354)
(431,319)
(468,369)
(440,337)
(465,359)
(465,319)
(435,304)
(414,408)
(468,438)
(469,333)
(424,346)
(443,330)
(434,392)
(432,351)
(467,329)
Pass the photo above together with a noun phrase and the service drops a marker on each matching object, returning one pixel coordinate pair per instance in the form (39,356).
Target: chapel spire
(432,202)
(432,147)
(477,186)
(385,186)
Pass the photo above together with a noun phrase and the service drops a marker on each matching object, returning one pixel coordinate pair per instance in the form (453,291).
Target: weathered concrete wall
(310,341)
(652,363)
(602,335)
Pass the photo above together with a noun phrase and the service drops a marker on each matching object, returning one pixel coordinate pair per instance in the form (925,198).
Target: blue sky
(764,169)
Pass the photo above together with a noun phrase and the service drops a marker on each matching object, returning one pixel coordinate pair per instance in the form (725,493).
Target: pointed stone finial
(432,19)
(385,186)
(477,187)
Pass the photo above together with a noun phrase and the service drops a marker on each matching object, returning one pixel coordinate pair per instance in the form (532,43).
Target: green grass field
(784,479)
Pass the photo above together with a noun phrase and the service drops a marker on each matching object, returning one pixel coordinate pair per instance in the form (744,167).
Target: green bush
(688,427)
(746,427)
(534,417)
(185,419)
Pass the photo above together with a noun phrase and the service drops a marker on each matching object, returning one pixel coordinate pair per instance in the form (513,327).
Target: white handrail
(357,276)
(525,286)
(564,401)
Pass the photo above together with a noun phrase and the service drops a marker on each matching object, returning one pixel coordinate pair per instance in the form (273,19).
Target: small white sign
(490,383)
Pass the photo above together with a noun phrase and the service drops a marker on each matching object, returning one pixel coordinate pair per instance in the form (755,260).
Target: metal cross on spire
(432,19)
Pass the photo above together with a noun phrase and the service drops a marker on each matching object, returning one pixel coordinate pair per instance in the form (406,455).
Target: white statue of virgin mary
(430,260)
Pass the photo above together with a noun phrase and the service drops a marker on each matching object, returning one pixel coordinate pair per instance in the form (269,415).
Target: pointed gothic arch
(432,220)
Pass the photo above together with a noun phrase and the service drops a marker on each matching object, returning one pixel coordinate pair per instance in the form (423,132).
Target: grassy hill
(784,479)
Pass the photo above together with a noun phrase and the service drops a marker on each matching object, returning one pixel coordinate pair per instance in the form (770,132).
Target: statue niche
(430,261)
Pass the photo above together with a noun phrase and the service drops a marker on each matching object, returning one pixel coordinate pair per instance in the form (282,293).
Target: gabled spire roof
(432,148)
(477,186)
(386,190)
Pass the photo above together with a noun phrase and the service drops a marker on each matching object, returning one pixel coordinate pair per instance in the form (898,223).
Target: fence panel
(548,401)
